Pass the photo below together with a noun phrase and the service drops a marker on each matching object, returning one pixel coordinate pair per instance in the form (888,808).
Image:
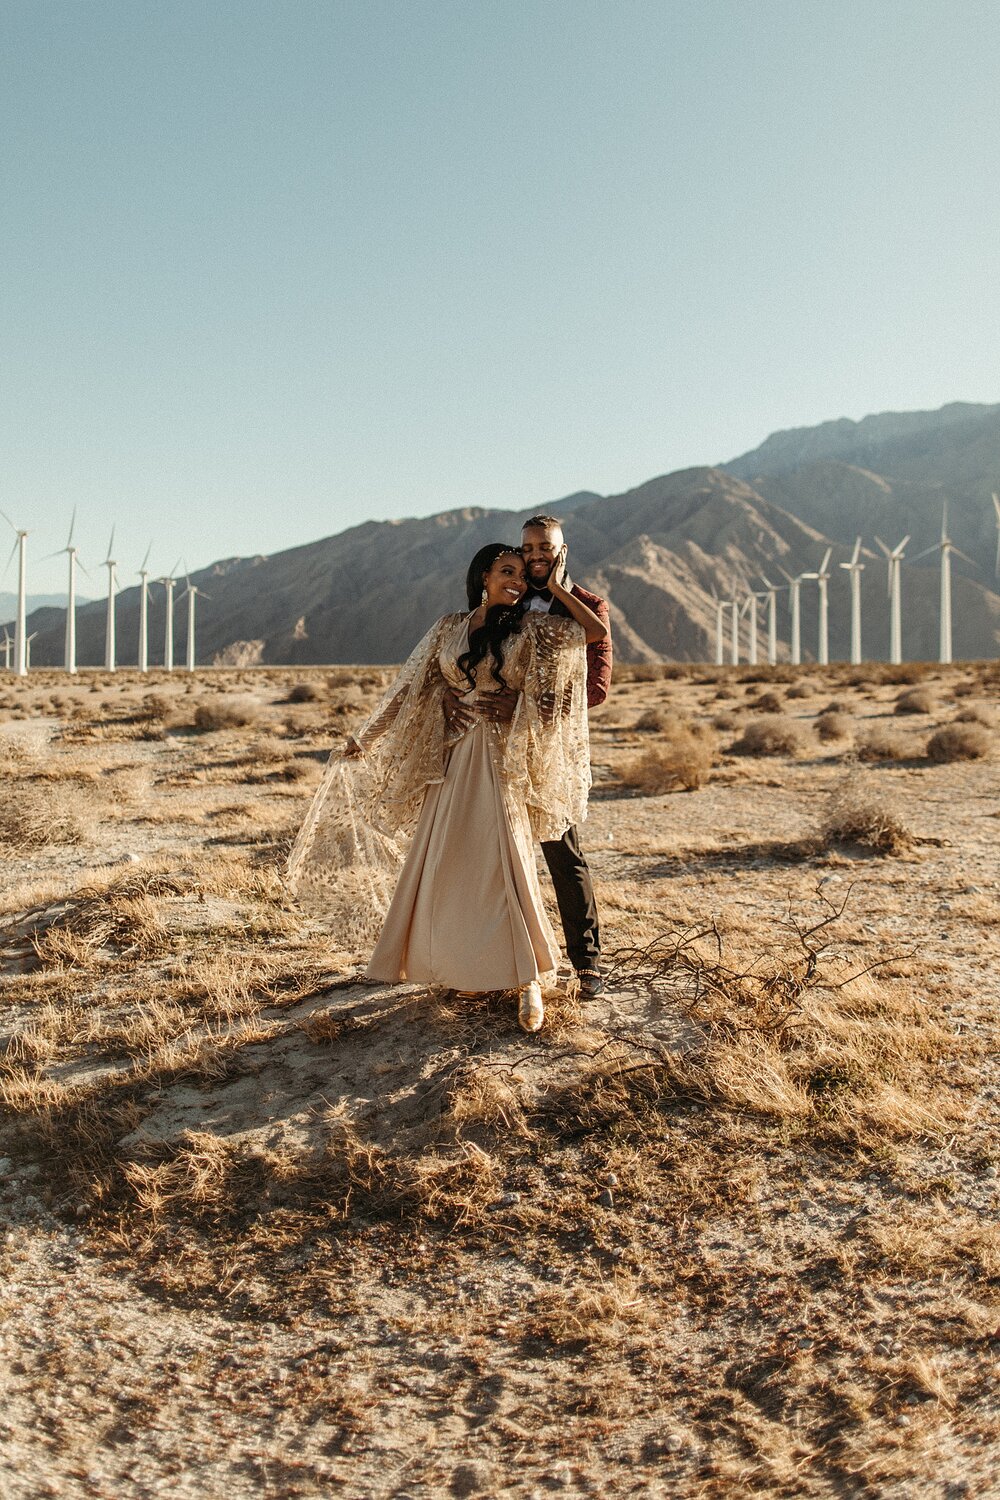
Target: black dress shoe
(591,982)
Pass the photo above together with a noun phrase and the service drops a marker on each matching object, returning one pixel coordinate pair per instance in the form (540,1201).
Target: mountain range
(657,552)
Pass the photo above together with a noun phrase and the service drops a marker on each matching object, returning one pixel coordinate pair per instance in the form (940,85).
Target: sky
(271,268)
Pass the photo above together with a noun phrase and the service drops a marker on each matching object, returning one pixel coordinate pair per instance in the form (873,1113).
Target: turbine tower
(143,656)
(109,628)
(191,593)
(27,649)
(855,569)
(7,647)
(772,620)
(894,557)
(69,650)
(734,628)
(795,605)
(946,547)
(750,607)
(822,578)
(720,610)
(168,629)
(20,624)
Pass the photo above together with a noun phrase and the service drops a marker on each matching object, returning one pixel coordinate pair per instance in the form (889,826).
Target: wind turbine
(168,629)
(996,507)
(946,547)
(734,628)
(143,657)
(191,593)
(795,605)
(894,557)
(20,624)
(69,652)
(855,569)
(720,610)
(109,628)
(750,605)
(7,644)
(822,578)
(772,620)
(27,649)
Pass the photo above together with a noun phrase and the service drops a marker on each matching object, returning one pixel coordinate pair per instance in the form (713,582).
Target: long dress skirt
(467,911)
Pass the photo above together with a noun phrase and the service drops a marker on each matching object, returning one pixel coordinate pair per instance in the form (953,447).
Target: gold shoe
(530,1010)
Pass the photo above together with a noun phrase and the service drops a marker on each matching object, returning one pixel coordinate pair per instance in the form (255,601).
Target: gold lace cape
(347,856)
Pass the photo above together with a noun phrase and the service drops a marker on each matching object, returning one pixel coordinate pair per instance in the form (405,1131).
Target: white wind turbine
(996,507)
(720,611)
(7,644)
(20,623)
(894,556)
(734,628)
(143,656)
(795,605)
(750,607)
(772,620)
(69,649)
(168,629)
(855,569)
(191,593)
(109,626)
(946,547)
(822,578)
(27,650)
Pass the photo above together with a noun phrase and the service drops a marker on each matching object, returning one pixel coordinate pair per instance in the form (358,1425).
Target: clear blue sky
(269,268)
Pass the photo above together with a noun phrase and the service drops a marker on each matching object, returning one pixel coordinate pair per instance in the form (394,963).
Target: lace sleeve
(349,849)
(547,757)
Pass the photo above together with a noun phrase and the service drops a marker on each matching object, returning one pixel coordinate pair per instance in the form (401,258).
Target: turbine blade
(926,552)
(899,550)
(857,551)
(7,518)
(146,558)
(885,549)
(72,523)
(996,507)
(826,559)
(111,544)
(964,556)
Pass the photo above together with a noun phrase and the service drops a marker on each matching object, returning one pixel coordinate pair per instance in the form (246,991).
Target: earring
(485,596)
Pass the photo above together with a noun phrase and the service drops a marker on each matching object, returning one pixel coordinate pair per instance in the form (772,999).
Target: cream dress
(429,840)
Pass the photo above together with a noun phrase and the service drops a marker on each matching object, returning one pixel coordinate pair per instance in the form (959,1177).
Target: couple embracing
(422,833)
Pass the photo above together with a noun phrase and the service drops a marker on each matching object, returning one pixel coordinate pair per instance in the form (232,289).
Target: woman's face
(505,582)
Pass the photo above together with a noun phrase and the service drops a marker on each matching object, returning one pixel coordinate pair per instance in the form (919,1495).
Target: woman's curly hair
(502,620)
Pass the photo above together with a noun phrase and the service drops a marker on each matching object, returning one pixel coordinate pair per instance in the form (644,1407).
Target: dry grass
(32,817)
(683,758)
(959,742)
(859,812)
(918,700)
(769,735)
(834,726)
(879,743)
(226,713)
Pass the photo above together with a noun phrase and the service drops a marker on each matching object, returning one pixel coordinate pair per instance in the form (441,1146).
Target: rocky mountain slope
(659,552)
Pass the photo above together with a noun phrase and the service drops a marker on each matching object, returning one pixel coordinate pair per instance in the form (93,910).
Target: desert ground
(731,1229)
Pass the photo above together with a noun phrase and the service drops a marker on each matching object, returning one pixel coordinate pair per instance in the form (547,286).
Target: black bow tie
(538,594)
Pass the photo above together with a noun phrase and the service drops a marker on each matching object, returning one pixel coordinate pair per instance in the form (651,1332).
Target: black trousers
(575,898)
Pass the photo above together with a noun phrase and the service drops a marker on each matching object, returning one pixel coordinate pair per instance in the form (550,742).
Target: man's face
(539,548)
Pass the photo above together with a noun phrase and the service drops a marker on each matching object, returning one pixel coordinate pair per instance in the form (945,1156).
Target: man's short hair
(544,522)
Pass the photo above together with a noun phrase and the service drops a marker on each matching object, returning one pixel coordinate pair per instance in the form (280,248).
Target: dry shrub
(975,716)
(726,723)
(683,758)
(882,744)
(833,726)
(306,692)
(653,719)
(840,706)
(33,816)
(915,701)
(859,813)
(801,690)
(770,735)
(640,671)
(768,703)
(959,742)
(226,713)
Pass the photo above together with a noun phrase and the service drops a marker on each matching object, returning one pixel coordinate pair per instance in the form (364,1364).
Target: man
(541,544)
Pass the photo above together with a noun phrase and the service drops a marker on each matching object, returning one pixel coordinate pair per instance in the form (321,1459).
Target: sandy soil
(729,1230)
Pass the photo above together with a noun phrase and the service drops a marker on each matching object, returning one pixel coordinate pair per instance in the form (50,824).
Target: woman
(463,908)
